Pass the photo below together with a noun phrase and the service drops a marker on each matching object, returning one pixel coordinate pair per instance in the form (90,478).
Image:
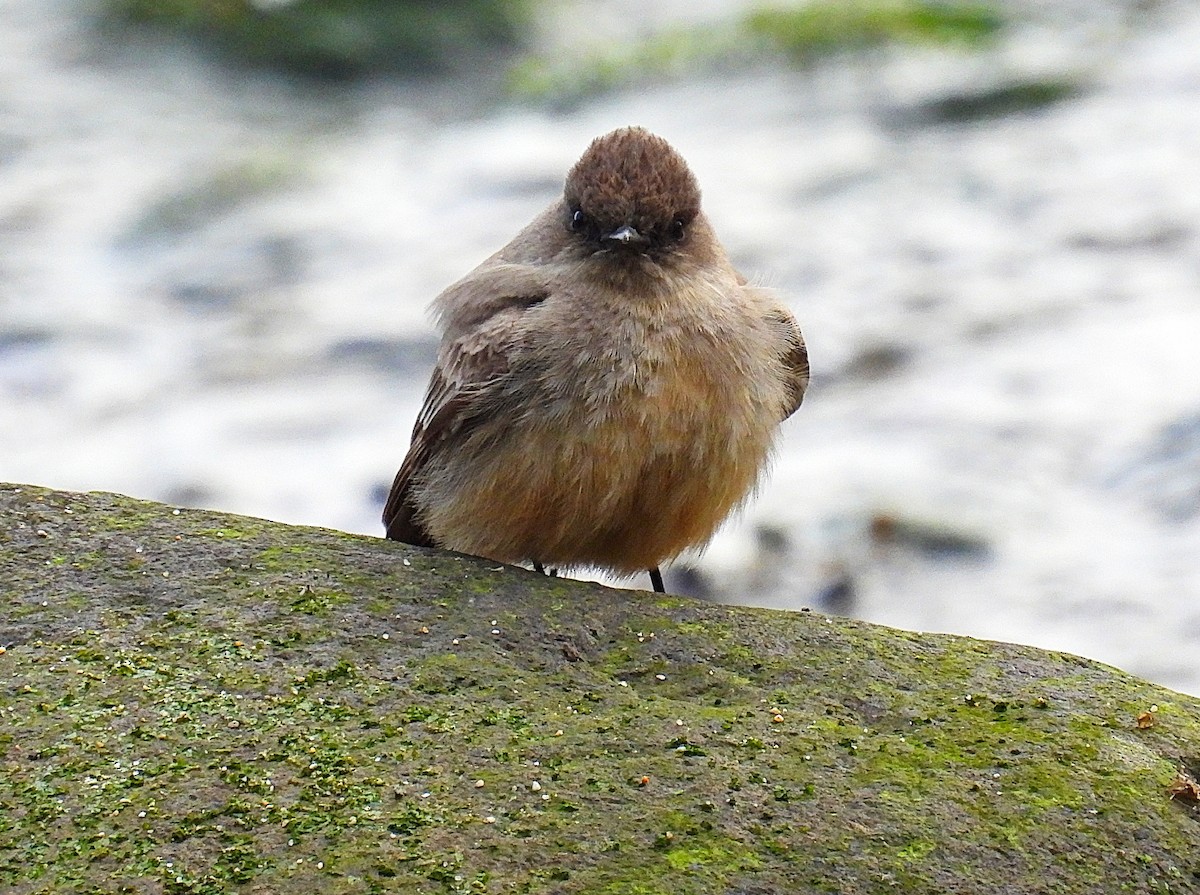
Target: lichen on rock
(198,703)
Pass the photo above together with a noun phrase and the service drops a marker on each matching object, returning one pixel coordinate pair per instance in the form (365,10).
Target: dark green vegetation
(193,703)
(356,38)
(338,38)
(800,35)
(817,29)
(1004,99)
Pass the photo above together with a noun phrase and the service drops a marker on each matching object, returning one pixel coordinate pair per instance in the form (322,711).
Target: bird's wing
(794,353)
(481,314)
(794,356)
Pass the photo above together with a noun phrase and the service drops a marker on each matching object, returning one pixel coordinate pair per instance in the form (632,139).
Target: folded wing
(473,362)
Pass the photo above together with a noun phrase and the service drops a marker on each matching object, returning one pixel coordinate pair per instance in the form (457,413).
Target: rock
(194,702)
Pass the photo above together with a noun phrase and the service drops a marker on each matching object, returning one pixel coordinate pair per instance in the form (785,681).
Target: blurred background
(221,223)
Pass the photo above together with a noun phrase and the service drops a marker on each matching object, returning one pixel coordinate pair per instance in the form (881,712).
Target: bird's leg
(656,580)
(538,567)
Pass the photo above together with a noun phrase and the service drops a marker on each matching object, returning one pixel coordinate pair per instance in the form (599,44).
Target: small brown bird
(608,387)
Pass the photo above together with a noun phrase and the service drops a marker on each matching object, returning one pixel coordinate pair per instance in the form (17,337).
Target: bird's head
(630,196)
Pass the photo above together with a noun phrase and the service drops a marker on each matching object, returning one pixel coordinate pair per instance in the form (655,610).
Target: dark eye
(677,229)
(579,220)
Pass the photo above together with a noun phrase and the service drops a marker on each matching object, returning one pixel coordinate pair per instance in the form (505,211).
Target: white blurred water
(213,290)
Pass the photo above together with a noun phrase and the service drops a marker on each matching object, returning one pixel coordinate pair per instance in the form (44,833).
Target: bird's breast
(635,442)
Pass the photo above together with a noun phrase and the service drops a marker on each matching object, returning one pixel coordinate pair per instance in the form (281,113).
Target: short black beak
(624,236)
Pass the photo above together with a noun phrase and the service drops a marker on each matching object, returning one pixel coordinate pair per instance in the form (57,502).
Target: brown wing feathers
(466,366)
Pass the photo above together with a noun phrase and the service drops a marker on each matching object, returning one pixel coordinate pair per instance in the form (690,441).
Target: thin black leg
(656,580)
(538,567)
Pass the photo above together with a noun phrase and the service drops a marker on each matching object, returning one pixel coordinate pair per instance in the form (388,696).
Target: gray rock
(195,702)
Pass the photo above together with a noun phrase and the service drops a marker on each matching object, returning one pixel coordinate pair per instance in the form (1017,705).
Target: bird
(608,387)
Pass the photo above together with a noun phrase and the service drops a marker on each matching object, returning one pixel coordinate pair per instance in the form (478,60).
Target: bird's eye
(579,220)
(677,229)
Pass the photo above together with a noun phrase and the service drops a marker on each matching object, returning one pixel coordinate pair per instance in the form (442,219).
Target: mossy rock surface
(192,702)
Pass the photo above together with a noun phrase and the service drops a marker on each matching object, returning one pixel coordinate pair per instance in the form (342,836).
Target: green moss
(128,519)
(817,29)
(668,54)
(915,852)
(718,858)
(214,736)
(90,559)
(802,34)
(231,533)
(317,601)
(283,558)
